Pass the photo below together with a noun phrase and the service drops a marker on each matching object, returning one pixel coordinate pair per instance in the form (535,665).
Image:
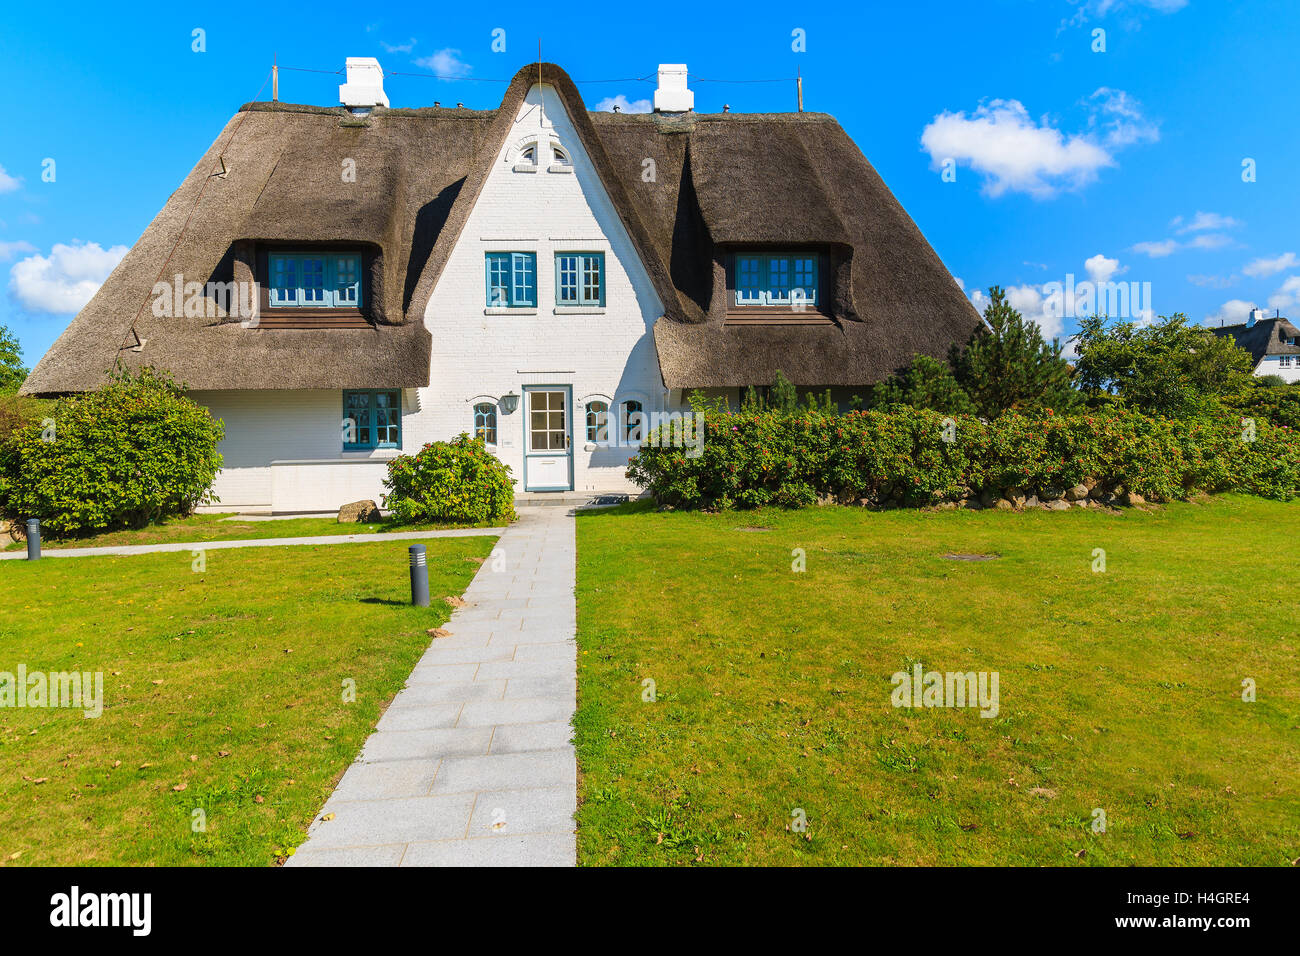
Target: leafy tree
(12,370)
(926,383)
(1169,368)
(1009,366)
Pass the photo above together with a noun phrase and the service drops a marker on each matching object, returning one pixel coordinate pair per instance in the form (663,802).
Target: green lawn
(228,682)
(1119,690)
(216,527)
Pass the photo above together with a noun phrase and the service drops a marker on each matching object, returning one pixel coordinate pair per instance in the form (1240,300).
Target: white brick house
(538,275)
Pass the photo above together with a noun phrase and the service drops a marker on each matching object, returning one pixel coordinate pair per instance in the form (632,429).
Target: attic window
(526,161)
(306,287)
(560,162)
(784,285)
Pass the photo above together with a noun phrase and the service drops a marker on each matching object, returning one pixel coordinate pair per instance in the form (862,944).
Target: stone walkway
(370,538)
(473,764)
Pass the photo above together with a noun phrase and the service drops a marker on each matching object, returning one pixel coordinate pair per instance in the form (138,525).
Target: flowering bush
(919,457)
(456,482)
(134,451)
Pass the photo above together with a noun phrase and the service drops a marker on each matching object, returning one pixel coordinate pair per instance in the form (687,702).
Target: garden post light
(419,576)
(33,538)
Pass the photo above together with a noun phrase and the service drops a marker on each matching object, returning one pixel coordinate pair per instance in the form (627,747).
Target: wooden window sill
(312,319)
(778,318)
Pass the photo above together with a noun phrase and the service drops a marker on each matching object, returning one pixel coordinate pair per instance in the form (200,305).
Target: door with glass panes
(548,438)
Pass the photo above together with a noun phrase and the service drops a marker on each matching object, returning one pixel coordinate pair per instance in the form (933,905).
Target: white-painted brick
(478,357)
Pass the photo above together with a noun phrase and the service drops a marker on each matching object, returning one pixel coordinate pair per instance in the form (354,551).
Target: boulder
(1031,502)
(1057,505)
(1051,493)
(1096,492)
(1132,499)
(1003,505)
(359,512)
(1077,493)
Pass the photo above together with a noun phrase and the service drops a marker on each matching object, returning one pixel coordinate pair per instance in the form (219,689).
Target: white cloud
(1101,269)
(624,104)
(1004,144)
(1120,117)
(1267,267)
(1202,222)
(1131,10)
(406,47)
(1210,240)
(1156,250)
(445,62)
(1287,295)
(1231,312)
(10,249)
(65,280)
(1213,281)
(8,183)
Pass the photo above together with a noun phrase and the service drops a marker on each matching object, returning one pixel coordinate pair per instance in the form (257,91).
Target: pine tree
(1009,366)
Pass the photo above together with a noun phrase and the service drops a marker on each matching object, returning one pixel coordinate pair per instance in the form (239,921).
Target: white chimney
(672,96)
(365,85)
(1255,316)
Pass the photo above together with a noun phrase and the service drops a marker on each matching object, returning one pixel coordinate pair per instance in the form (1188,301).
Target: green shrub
(455,482)
(134,451)
(1276,402)
(902,455)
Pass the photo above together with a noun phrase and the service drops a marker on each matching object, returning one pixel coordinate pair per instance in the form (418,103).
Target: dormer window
(775,286)
(315,280)
(313,288)
(529,155)
(560,162)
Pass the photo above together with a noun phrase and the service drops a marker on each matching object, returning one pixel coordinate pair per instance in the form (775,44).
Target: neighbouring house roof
(1265,337)
(720,181)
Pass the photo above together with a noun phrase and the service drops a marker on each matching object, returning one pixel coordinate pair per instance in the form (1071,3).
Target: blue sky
(1124,163)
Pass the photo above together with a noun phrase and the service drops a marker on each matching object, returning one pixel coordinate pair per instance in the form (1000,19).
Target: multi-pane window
(485,422)
(315,280)
(580,278)
(597,422)
(511,279)
(547,428)
(784,279)
(633,422)
(1284,361)
(372,419)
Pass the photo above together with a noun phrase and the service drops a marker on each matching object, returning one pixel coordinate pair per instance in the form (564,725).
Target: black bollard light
(419,576)
(33,538)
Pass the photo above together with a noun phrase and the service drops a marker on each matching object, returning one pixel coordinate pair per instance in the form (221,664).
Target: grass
(1119,691)
(223,692)
(217,527)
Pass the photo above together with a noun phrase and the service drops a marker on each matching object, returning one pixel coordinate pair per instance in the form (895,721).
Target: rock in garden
(1050,493)
(1004,505)
(359,512)
(1057,505)
(1132,498)
(1077,493)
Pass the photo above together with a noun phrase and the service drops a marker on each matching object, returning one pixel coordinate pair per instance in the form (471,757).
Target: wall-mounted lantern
(509,402)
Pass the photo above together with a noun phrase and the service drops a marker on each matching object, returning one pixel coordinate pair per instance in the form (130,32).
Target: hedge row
(917,457)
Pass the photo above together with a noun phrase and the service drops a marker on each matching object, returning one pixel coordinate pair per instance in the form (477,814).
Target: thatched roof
(721,181)
(1265,337)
